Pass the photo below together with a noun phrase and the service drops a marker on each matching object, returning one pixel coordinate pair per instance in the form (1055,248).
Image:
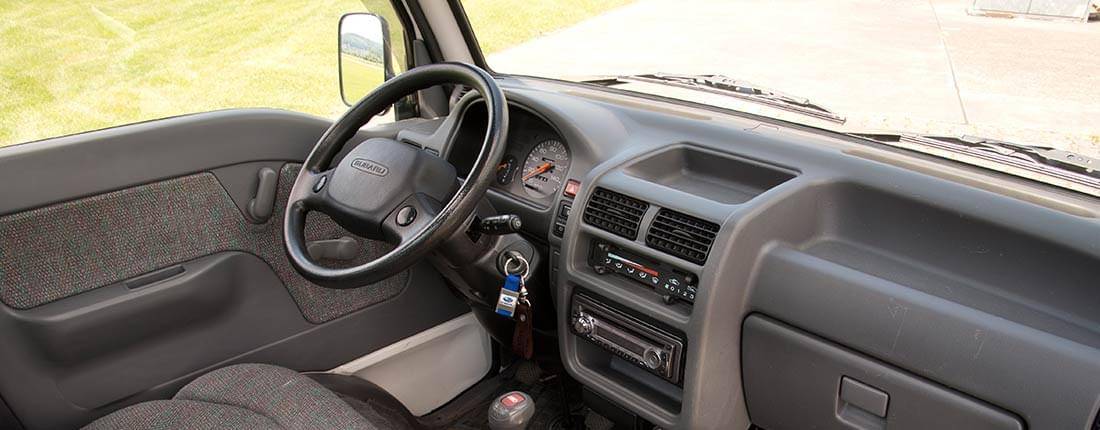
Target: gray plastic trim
(406,367)
(787,370)
(1051,381)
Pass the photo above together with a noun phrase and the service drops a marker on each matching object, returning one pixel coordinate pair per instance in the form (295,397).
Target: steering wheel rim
(338,192)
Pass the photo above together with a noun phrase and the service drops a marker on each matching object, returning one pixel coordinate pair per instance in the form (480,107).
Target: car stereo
(642,344)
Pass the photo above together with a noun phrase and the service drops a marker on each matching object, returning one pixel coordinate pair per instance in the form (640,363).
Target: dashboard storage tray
(718,177)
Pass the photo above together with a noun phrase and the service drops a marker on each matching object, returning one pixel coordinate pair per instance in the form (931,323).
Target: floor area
(558,404)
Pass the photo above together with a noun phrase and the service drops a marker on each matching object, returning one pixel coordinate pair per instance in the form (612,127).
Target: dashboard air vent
(614,212)
(682,235)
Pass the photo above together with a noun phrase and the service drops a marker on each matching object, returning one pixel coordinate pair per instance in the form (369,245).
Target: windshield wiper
(1071,170)
(998,149)
(726,86)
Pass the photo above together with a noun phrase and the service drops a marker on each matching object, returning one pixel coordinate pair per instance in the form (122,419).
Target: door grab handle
(263,203)
(344,248)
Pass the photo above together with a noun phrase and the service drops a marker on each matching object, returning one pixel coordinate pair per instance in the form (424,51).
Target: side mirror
(365,60)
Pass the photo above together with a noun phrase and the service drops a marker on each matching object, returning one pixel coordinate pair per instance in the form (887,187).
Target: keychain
(513,292)
(514,303)
(509,295)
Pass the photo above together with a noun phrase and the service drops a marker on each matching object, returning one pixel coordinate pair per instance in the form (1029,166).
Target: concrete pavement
(904,65)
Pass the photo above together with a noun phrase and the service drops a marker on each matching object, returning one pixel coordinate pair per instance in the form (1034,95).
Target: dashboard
(719,270)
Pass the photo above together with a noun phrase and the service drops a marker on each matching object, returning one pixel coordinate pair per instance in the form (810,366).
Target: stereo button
(583,324)
(654,358)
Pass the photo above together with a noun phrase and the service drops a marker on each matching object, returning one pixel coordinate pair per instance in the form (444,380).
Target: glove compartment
(794,380)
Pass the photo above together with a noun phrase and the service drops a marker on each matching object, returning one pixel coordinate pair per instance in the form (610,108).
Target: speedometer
(545,168)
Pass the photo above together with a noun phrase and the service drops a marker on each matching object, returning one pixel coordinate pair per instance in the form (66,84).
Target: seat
(261,396)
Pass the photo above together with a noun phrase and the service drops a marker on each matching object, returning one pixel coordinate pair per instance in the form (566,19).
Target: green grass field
(72,66)
(359,76)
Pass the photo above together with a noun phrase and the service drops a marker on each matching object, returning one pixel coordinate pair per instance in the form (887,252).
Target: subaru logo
(372,167)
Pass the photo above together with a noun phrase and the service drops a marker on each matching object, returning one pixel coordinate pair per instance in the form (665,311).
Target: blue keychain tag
(509,296)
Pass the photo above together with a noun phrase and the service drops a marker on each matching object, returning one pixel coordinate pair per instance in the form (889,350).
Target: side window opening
(81,66)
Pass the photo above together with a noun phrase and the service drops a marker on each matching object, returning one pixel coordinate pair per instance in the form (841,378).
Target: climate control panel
(671,283)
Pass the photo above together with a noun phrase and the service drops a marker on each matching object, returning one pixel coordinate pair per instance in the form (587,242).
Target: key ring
(520,263)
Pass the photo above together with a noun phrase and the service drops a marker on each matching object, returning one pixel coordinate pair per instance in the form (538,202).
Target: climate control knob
(584,324)
(654,358)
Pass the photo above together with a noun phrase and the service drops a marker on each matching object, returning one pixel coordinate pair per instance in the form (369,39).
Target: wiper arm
(719,84)
(1041,155)
(1040,163)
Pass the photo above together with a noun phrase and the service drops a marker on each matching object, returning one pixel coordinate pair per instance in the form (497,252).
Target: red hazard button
(512,399)
(572,187)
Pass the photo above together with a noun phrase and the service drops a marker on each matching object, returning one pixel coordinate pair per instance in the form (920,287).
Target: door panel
(138,269)
(92,163)
(68,248)
(220,306)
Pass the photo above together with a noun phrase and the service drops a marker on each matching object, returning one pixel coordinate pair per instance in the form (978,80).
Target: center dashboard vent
(682,235)
(615,213)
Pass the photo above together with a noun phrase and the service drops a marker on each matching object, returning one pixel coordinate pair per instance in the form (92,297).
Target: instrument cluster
(535,163)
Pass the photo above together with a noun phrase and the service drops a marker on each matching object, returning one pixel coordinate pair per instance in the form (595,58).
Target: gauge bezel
(560,170)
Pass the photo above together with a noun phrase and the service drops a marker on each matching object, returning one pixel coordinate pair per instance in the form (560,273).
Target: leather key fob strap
(523,341)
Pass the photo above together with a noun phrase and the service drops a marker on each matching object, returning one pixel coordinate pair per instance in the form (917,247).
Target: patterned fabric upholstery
(243,396)
(183,414)
(58,251)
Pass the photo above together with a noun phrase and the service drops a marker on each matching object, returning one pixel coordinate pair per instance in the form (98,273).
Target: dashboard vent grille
(682,235)
(615,213)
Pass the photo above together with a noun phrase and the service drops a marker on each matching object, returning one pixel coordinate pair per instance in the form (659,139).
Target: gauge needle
(539,170)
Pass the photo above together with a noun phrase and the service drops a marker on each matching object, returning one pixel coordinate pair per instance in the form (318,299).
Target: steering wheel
(391,191)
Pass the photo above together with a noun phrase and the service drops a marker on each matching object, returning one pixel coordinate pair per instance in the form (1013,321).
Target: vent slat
(615,213)
(613,210)
(682,235)
(700,236)
(614,218)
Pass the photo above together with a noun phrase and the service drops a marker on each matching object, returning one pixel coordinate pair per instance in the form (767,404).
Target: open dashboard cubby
(715,176)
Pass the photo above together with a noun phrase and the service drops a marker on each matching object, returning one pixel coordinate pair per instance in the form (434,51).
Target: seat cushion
(183,414)
(245,396)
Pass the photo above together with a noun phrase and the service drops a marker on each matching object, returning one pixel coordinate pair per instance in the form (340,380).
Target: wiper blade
(999,149)
(1040,163)
(719,84)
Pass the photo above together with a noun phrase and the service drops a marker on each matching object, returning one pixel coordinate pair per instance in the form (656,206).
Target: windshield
(939,67)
